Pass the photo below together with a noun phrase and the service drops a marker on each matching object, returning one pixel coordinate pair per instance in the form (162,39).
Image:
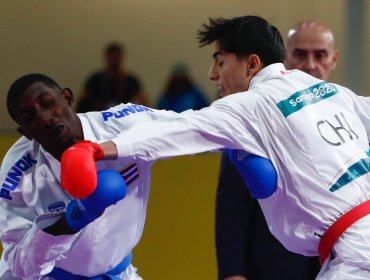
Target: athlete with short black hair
(314,133)
(45,232)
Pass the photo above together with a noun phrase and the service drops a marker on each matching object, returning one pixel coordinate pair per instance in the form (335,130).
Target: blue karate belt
(61,274)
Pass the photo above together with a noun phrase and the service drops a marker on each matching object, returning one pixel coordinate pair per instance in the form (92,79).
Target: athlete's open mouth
(56,131)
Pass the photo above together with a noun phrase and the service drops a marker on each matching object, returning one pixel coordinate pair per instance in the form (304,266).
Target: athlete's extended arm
(228,123)
(210,129)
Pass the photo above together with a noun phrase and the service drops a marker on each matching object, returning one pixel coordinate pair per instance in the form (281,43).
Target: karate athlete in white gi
(316,135)
(33,204)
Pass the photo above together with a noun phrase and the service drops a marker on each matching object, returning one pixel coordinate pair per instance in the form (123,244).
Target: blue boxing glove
(111,188)
(258,173)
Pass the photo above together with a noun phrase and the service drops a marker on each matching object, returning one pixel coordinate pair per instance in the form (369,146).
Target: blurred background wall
(64,39)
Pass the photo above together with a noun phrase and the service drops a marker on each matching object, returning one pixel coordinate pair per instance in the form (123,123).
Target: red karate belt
(332,234)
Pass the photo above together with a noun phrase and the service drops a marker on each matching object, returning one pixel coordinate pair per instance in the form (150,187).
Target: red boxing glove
(78,170)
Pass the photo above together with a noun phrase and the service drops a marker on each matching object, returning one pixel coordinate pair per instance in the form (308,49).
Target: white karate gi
(317,136)
(32,199)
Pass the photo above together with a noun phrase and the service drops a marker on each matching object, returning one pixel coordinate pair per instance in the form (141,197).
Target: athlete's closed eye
(218,58)
(47,101)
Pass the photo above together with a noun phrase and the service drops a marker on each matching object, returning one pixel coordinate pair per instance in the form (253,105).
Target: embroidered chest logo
(15,174)
(57,206)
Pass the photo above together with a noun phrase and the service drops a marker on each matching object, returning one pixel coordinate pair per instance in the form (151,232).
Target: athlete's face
(311,50)
(228,72)
(45,114)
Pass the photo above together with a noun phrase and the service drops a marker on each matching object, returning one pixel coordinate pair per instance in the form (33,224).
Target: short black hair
(244,36)
(20,85)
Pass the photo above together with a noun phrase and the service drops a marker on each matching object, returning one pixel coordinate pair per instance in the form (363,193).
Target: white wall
(64,39)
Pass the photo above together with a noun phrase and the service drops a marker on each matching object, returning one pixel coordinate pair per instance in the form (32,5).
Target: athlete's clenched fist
(78,170)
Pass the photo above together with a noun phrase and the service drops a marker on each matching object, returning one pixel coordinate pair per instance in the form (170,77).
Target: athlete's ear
(68,96)
(21,130)
(254,65)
